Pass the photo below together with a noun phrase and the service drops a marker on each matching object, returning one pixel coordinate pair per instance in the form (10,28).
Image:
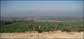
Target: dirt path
(52,35)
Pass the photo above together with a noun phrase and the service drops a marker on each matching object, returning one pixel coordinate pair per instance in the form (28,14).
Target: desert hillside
(44,35)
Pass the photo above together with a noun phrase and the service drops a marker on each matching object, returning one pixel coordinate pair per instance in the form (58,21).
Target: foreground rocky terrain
(44,35)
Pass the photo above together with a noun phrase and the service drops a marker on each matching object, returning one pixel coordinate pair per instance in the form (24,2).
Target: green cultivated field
(29,26)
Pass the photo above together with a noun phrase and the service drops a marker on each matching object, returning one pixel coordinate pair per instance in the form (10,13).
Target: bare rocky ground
(44,35)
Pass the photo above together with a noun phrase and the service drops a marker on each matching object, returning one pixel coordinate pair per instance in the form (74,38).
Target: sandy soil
(44,35)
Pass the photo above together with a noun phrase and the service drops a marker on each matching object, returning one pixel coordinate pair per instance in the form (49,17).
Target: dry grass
(44,35)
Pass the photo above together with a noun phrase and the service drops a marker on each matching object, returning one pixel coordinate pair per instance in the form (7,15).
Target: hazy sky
(41,8)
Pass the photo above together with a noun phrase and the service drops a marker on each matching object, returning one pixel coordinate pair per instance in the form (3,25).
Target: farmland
(31,25)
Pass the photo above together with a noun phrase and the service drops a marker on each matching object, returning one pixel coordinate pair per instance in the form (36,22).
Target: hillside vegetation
(29,26)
